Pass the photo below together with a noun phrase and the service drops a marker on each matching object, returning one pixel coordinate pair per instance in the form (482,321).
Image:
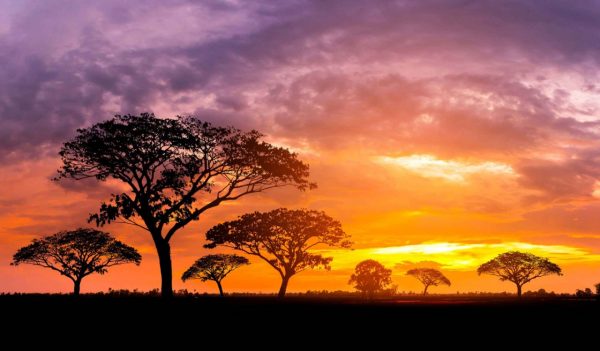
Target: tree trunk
(425,290)
(76,287)
(284,284)
(166,270)
(220,288)
(518,291)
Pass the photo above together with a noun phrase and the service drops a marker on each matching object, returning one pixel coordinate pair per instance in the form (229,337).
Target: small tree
(597,286)
(282,238)
(214,267)
(173,171)
(370,277)
(519,268)
(428,277)
(77,254)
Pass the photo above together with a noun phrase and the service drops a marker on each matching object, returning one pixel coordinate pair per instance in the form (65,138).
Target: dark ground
(262,320)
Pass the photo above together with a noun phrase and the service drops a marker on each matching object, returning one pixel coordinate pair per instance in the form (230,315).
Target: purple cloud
(477,77)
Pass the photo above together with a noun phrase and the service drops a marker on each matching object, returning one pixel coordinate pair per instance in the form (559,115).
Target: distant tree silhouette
(370,277)
(428,277)
(584,294)
(175,170)
(519,268)
(214,267)
(597,286)
(77,254)
(281,238)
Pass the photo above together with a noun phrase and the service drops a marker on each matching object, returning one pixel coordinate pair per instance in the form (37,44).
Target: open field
(260,315)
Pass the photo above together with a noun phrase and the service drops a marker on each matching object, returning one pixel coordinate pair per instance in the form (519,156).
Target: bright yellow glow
(413,213)
(454,256)
(453,171)
(425,248)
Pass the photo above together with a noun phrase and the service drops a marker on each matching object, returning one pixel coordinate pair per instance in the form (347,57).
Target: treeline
(391,293)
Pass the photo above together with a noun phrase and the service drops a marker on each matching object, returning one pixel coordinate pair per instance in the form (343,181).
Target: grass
(259,319)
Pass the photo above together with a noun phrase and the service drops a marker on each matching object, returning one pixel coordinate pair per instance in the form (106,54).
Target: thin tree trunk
(284,284)
(518,291)
(166,270)
(76,287)
(425,290)
(220,288)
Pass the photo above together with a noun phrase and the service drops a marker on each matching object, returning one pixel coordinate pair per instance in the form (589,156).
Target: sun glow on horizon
(453,255)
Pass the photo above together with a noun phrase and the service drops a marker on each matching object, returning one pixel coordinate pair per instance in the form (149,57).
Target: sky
(440,133)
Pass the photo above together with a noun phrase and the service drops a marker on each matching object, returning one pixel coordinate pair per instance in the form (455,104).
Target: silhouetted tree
(214,267)
(370,277)
(584,294)
(428,277)
(77,254)
(519,268)
(597,286)
(175,170)
(281,238)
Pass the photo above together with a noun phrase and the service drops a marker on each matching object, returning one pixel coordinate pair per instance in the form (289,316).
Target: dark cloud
(452,78)
(90,186)
(408,265)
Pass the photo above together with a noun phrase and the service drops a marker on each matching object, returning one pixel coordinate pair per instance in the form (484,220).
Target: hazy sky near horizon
(440,132)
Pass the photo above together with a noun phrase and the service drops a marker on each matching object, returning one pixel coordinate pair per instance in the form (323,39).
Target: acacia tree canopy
(282,238)
(214,267)
(428,277)
(370,277)
(76,254)
(175,170)
(519,268)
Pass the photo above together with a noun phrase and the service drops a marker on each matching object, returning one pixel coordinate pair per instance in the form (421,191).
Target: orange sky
(440,133)
(419,219)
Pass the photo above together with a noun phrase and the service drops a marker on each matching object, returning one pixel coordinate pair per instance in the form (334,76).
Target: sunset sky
(440,133)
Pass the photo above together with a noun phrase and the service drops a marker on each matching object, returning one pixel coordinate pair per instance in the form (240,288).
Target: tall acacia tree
(428,277)
(175,170)
(519,268)
(282,238)
(77,253)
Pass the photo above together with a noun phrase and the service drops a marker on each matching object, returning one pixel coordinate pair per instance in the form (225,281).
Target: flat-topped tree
(76,254)
(519,268)
(282,238)
(175,170)
(215,268)
(428,277)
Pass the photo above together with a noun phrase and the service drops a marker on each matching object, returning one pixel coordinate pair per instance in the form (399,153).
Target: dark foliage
(214,267)
(282,238)
(77,254)
(370,277)
(587,293)
(175,170)
(428,277)
(519,268)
